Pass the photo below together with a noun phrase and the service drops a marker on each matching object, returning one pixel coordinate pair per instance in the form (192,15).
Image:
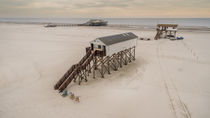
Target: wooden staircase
(75,70)
(157,36)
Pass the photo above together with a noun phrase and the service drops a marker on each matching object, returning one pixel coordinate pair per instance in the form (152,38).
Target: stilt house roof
(109,40)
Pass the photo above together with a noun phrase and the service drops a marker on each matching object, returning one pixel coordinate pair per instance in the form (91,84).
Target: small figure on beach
(77,98)
(72,96)
(64,93)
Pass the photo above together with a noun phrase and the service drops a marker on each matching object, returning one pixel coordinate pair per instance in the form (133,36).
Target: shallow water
(124,21)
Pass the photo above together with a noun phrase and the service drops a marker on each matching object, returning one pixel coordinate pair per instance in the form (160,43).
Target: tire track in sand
(178,107)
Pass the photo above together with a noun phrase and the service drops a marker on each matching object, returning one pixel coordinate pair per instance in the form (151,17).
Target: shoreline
(119,26)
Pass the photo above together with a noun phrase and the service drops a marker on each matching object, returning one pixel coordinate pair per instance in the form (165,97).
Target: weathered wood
(108,63)
(99,62)
(163,29)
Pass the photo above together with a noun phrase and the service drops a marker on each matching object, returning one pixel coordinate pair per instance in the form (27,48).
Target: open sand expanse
(169,79)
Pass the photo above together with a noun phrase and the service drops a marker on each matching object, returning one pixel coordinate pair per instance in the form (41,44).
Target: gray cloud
(105,3)
(103,8)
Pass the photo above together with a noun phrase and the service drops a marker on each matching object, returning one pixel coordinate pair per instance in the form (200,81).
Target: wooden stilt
(108,63)
(102,67)
(120,56)
(134,53)
(94,66)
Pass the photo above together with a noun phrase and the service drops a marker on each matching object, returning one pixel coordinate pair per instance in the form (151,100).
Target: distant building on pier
(96,22)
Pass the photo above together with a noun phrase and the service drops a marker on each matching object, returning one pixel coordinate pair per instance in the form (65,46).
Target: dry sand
(169,79)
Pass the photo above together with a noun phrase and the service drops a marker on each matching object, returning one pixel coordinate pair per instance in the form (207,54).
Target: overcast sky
(105,8)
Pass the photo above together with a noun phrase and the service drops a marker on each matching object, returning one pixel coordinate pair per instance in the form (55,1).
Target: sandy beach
(169,79)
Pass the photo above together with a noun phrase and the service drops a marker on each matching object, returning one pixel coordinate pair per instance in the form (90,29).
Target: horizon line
(113,17)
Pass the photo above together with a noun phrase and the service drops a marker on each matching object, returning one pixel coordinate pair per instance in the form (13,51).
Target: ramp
(75,70)
(157,36)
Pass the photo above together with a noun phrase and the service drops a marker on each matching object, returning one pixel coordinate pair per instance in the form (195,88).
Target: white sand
(169,78)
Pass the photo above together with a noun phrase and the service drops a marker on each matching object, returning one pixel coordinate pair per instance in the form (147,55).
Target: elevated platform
(92,61)
(167,30)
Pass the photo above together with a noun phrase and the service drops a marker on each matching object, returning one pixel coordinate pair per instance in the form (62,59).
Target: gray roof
(109,40)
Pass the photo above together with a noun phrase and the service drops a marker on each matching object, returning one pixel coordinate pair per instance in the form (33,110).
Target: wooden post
(96,62)
(115,62)
(89,69)
(134,53)
(94,66)
(120,56)
(80,78)
(85,75)
(108,63)
(102,67)
(126,60)
(129,53)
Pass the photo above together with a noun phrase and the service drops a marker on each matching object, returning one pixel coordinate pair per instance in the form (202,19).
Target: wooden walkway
(75,70)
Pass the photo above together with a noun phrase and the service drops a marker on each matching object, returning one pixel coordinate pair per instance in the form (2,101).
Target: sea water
(203,22)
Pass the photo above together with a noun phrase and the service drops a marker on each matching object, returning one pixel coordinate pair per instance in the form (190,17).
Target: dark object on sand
(50,25)
(64,93)
(146,39)
(180,38)
(177,38)
(77,98)
(72,96)
(170,36)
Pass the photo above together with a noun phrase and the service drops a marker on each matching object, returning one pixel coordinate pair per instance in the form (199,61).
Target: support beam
(108,63)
